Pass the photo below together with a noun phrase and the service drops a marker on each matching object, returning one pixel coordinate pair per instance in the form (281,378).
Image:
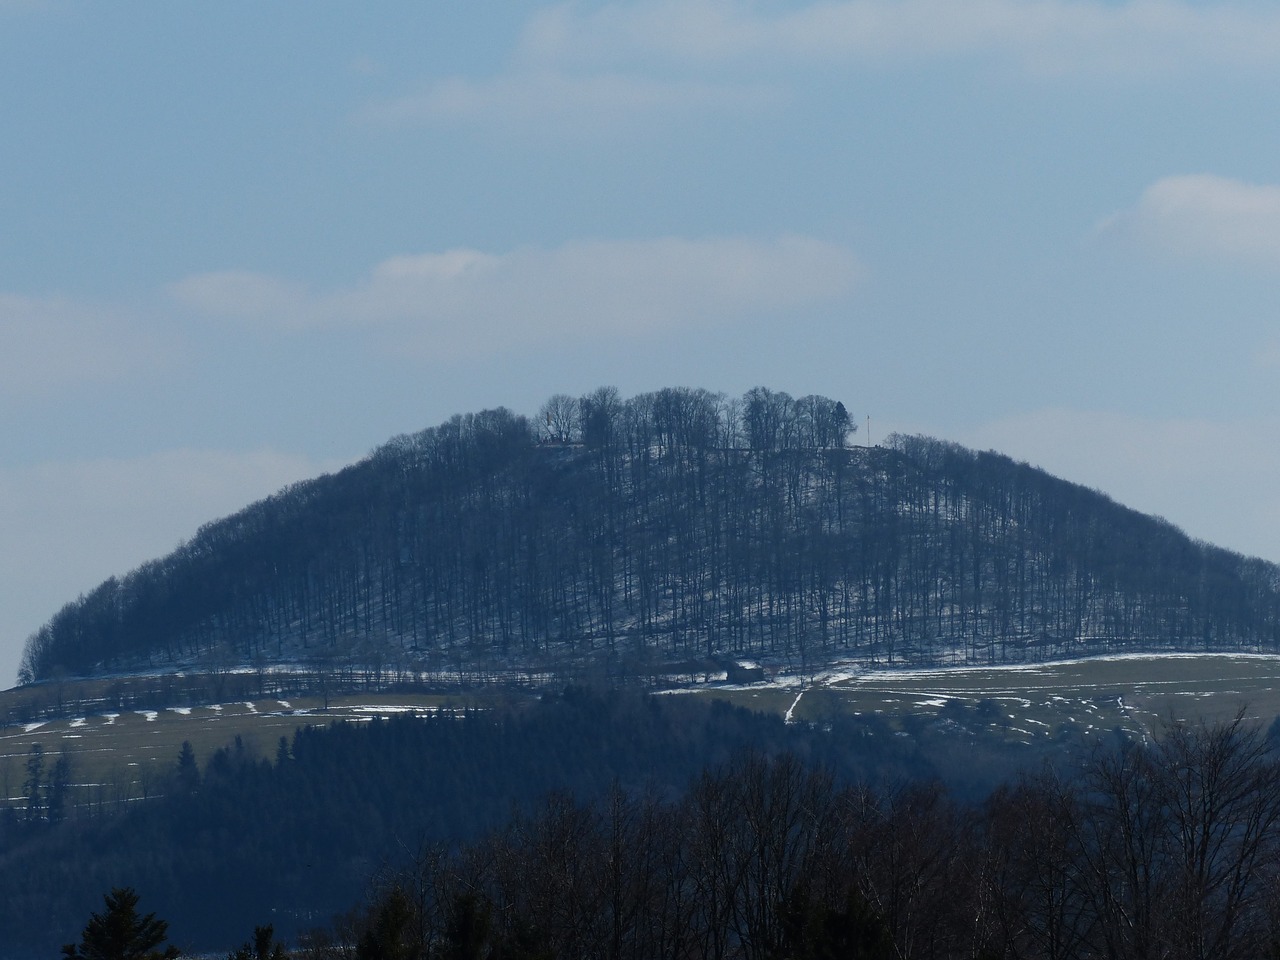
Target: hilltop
(666,532)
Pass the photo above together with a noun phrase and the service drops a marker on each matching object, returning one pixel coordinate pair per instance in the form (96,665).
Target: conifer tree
(118,933)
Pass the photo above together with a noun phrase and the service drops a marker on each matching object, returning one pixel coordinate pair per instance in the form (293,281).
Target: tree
(558,418)
(59,787)
(188,769)
(264,947)
(599,413)
(813,930)
(1221,788)
(118,933)
(35,779)
(387,934)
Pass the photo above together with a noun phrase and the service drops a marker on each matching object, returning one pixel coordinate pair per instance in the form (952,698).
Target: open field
(119,755)
(123,755)
(1137,693)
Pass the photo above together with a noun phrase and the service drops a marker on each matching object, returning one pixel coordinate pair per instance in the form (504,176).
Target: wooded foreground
(1170,850)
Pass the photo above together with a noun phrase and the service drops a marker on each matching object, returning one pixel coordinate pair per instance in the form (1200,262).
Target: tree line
(1169,849)
(290,833)
(672,527)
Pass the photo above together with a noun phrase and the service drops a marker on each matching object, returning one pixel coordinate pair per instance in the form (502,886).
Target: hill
(662,533)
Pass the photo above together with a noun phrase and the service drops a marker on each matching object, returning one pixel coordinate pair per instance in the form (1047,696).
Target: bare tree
(559,420)
(1221,790)
(1179,843)
(1034,869)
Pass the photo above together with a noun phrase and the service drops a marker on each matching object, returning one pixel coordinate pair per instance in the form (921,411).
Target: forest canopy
(673,526)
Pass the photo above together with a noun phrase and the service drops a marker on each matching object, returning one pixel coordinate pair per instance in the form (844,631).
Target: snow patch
(792,709)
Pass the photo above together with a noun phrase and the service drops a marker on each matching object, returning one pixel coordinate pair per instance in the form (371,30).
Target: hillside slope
(673,527)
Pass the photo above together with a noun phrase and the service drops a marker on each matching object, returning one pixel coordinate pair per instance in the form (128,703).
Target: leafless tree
(559,420)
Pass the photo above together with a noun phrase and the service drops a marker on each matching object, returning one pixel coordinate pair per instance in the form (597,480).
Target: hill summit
(673,528)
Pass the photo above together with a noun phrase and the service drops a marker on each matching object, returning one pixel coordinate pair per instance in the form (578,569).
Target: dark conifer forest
(667,528)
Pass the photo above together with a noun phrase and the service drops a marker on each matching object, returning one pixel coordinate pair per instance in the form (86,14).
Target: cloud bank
(1208,217)
(580,70)
(472,303)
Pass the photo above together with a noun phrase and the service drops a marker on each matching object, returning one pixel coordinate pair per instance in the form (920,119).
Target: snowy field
(1135,692)
(121,756)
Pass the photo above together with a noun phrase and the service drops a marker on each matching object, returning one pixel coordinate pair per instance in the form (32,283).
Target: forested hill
(671,528)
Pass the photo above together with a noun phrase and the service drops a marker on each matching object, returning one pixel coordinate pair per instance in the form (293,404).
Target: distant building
(744,671)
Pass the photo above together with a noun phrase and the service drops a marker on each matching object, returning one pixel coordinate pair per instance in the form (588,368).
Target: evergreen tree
(58,787)
(188,769)
(118,933)
(264,947)
(31,787)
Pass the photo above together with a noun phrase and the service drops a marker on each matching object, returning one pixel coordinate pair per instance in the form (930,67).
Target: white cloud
(548,103)
(467,302)
(244,295)
(583,70)
(49,343)
(1052,35)
(1206,216)
(79,522)
(1215,479)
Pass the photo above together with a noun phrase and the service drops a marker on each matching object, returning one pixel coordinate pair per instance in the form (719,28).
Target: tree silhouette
(263,947)
(118,933)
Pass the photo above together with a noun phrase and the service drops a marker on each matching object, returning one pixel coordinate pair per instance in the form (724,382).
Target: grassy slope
(1136,693)
(120,755)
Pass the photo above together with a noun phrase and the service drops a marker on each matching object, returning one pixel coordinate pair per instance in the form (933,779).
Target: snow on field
(382,708)
(792,709)
(182,711)
(1133,691)
(905,673)
(151,715)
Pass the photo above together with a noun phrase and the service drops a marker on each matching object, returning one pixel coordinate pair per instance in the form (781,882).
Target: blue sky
(244,243)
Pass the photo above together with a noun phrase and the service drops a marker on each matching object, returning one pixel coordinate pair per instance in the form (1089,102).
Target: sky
(243,244)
